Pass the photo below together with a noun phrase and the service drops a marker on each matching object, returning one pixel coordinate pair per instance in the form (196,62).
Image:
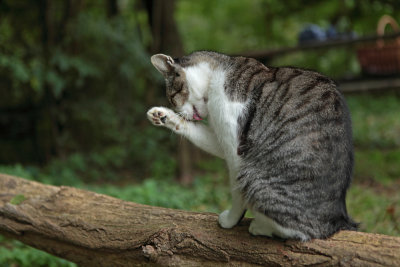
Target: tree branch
(266,55)
(97,230)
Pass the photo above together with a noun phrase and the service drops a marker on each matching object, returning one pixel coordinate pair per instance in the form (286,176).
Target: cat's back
(289,101)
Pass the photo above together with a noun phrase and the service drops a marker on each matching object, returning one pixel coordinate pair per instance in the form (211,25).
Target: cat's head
(186,85)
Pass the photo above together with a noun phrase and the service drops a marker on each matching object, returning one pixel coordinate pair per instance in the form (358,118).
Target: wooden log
(97,230)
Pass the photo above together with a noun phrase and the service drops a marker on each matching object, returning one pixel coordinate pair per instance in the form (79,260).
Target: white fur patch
(198,78)
(224,116)
(203,82)
(263,225)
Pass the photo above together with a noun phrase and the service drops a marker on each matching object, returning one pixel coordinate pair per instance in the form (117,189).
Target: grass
(210,192)
(14,254)
(376,120)
(377,211)
(373,199)
(382,166)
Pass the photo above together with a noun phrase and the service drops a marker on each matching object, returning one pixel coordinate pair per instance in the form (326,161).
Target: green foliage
(147,153)
(379,165)
(376,132)
(208,193)
(237,26)
(17,170)
(376,121)
(14,253)
(373,198)
(83,92)
(208,25)
(377,211)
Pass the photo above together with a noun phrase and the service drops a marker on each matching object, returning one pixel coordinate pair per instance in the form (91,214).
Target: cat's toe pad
(225,220)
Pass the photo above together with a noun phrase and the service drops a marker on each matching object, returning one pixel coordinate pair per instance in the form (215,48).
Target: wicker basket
(383,57)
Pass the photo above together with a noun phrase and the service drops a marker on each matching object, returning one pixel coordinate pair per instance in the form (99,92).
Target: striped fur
(284,132)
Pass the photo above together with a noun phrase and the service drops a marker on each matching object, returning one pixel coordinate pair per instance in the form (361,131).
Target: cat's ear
(163,63)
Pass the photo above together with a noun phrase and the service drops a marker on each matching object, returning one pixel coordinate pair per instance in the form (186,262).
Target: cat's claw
(225,220)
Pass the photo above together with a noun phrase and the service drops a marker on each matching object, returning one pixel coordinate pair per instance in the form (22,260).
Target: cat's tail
(346,223)
(343,221)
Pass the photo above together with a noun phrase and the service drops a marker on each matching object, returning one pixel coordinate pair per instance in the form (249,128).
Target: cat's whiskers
(183,115)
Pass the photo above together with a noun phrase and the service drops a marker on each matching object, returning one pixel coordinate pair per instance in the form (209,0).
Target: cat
(284,132)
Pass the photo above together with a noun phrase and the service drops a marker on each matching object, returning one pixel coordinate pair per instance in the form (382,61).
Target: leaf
(56,81)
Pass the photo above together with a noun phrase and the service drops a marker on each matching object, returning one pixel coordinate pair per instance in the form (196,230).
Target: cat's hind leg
(263,225)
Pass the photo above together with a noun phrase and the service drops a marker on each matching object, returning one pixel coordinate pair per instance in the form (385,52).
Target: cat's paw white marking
(225,220)
(258,228)
(159,116)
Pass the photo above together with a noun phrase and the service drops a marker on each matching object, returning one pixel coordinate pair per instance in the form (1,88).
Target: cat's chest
(224,115)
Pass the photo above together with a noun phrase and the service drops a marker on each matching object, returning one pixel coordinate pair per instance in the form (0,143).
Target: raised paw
(158,116)
(225,220)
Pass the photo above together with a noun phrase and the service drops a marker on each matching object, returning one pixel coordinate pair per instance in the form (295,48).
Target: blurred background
(76,82)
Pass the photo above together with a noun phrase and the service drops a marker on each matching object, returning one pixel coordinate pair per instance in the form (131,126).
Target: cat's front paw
(159,116)
(225,220)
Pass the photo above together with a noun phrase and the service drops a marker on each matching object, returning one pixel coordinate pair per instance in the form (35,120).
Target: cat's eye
(177,74)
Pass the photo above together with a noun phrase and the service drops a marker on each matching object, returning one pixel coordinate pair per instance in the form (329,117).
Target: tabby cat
(285,134)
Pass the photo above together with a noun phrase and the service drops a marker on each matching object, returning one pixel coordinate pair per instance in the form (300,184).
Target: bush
(14,253)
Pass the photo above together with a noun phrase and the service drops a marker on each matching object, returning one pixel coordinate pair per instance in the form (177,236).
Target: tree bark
(97,230)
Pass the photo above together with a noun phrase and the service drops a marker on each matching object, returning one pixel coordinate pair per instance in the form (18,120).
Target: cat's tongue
(196,115)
